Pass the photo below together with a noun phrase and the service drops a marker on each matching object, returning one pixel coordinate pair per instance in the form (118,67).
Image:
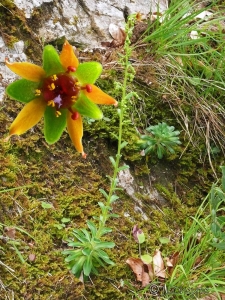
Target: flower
(61,91)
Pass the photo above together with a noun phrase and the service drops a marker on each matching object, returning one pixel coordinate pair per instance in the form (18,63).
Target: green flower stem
(128,76)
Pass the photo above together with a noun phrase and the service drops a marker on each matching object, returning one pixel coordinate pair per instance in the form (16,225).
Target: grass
(190,79)
(191,71)
(198,265)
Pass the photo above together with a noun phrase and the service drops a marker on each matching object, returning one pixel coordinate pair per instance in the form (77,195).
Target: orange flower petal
(29,116)
(75,130)
(68,57)
(27,70)
(97,96)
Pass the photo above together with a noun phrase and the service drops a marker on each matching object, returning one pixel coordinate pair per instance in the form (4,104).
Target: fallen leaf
(136,265)
(10,232)
(204,15)
(145,276)
(194,35)
(150,272)
(118,35)
(158,265)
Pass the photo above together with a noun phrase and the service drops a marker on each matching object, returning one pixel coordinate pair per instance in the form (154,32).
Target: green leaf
(146,258)
(141,237)
(88,72)
(87,108)
(105,230)
(223,177)
(87,251)
(86,233)
(74,255)
(104,193)
(104,245)
(92,227)
(81,237)
(125,167)
(46,205)
(65,220)
(113,198)
(75,244)
(59,226)
(87,267)
(112,161)
(78,266)
(51,61)
(22,90)
(54,126)
(114,216)
(164,240)
(220,246)
(123,144)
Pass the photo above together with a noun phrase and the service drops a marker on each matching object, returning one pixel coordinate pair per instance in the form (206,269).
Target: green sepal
(87,108)
(51,61)
(54,126)
(88,72)
(22,90)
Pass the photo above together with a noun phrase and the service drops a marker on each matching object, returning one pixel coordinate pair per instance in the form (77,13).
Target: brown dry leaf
(150,272)
(136,265)
(158,265)
(171,262)
(210,297)
(118,35)
(145,276)
(10,232)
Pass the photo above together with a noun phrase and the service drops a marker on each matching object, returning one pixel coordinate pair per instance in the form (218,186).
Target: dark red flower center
(60,91)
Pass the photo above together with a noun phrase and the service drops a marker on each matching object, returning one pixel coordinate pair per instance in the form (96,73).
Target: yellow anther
(54,77)
(51,86)
(51,103)
(74,98)
(58,113)
(37,92)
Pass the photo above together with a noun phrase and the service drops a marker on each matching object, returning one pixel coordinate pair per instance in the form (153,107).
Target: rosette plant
(62,91)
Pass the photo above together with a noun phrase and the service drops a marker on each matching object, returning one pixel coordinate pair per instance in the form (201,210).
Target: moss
(58,175)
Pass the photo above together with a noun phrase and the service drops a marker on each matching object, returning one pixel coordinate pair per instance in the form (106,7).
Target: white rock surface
(86,21)
(28,5)
(15,54)
(131,187)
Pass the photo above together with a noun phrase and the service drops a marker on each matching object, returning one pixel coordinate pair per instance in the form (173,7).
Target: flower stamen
(37,92)
(51,86)
(51,103)
(58,113)
(54,77)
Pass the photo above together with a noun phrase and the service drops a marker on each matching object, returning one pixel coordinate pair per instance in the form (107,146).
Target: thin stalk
(105,213)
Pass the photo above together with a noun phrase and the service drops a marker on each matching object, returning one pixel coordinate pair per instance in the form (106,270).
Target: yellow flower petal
(29,116)
(68,57)
(97,96)
(75,130)
(27,70)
